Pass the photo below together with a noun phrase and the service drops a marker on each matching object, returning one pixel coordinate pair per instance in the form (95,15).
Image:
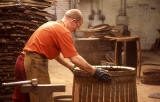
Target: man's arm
(64,62)
(78,61)
(95,72)
(83,64)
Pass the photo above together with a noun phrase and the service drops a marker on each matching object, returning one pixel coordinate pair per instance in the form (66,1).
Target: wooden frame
(131,50)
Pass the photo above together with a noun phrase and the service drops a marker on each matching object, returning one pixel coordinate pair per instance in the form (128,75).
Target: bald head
(72,19)
(74,14)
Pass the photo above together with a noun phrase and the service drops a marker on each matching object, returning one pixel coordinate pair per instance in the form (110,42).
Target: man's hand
(101,75)
(73,67)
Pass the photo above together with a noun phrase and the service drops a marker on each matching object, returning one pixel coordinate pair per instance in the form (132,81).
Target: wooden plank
(84,89)
(113,91)
(128,38)
(55,88)
(130,91)
(117,90)
(80,89)
(76,93)
(118,51)
(95,91)
(101,93)
(18,21)
(38,3)
(107,92)
(122,87)
(73,89)
(29,2)
(133,91)
(127,91)
(124,54)
(8,0)
(139,57)
(89,90)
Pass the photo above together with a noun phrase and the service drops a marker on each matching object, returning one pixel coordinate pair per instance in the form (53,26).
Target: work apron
(36,66)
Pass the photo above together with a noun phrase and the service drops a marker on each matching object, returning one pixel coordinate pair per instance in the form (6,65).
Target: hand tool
(42,91)
(33,82)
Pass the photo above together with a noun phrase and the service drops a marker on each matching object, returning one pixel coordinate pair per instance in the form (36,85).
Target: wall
(143,16)
(144,20)
(61,7)
(110,10)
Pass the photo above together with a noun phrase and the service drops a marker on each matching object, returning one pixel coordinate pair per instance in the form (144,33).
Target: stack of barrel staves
(17,22)
(99,31)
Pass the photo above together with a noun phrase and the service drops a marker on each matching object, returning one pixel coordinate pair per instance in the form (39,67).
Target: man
(47,42)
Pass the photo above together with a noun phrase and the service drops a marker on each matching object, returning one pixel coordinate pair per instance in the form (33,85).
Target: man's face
(76,24)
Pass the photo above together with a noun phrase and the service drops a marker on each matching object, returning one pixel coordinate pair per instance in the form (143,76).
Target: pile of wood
(109,58)
(102,30)
(41,4)
(17,23)
(151,75)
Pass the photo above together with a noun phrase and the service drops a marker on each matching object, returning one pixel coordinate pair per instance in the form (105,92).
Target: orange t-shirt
(50,39)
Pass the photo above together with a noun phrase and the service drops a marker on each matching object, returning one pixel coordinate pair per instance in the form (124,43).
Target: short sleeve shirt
(50,39)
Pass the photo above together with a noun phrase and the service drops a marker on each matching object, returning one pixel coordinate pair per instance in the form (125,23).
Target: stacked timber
(41,4)
(102,30)
(17,23)
(151,75)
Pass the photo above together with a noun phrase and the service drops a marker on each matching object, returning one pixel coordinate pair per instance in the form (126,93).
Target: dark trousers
(20,75)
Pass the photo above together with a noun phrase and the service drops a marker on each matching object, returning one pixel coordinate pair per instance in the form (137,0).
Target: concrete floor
(61,75)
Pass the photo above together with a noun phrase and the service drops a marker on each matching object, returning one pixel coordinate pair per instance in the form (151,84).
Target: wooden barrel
(122,88)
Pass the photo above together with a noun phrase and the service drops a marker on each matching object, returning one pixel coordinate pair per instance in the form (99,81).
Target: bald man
(47,42)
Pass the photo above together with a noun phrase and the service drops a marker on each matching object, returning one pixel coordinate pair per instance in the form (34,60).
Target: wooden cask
(122,88)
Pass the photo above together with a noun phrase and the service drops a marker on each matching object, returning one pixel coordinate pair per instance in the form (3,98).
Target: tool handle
(34,82)
(16,83)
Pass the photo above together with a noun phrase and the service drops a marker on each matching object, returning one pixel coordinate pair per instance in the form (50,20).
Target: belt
(41,55)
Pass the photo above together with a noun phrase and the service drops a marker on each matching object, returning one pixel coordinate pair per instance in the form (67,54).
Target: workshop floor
(61,75)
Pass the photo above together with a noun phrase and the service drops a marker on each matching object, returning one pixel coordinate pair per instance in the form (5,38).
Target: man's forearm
(64,62)
(83,64)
